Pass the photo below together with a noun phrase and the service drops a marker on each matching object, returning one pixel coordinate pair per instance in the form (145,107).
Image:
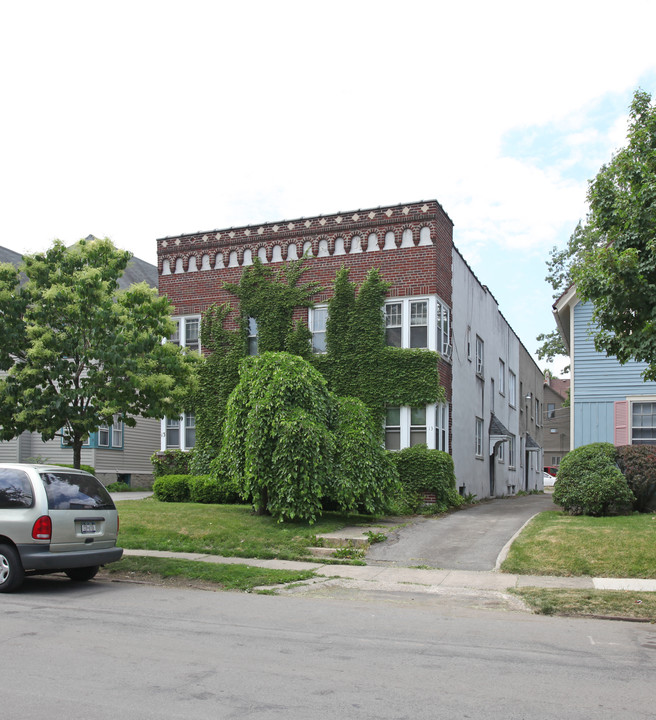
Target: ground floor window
(643,423)
(478,437)
(179,433)
(408,426)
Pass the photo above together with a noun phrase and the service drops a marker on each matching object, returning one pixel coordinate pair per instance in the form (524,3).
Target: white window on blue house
(643,423)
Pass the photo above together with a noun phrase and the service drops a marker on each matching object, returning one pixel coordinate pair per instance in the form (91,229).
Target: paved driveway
(466,540)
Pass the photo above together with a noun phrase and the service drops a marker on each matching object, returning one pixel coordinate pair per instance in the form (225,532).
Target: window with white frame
(103,435)
(512,389)
(538,413)
(318,319)
(252,336)
(512,451)
(443,315)
(551,411)
(502,377)
(190,430)
(501,452)
(643,423)
(172,433)
(418,323)
(417,426)
(393,324)
(408,426)
(468,342)
(442,427)
(393,428)
(478,437)
(480,356)
(187,332)
(117,433)
(179,432)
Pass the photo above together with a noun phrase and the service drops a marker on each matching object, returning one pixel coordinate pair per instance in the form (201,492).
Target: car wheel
(11,569)
(82,574)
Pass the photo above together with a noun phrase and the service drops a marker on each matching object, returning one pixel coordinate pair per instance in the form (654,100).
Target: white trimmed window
(252,336)
(318,317)
(187,332)
(512,389)
(418,323)
(179,433)
(425,425)
(643,423)
(480,356)
(512,451)
(478,437)
(502,377)
(117,433)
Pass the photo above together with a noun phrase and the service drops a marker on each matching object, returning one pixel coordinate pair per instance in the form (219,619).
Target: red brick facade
(410,244)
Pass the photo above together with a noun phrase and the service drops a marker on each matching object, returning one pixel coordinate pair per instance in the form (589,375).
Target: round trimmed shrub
(590,483)
(638,463)
(172,488)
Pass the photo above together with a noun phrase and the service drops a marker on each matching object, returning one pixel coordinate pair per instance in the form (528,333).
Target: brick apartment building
(491,422)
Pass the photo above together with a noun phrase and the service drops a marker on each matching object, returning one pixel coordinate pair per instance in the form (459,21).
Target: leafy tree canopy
(612,256)
(79,351)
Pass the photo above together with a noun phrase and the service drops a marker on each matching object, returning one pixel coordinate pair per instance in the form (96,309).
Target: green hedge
(173,488)
(638,463)
(212,490)
(590,483)
(427,471)
(171,462)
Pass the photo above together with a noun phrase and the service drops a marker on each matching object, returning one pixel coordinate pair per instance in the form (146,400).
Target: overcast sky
(137,120)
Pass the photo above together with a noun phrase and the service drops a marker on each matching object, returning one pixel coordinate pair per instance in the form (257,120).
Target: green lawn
(599,603)
(230,530)
(558,544)
(220,577)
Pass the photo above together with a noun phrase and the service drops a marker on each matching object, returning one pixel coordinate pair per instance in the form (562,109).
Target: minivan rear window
(73,491)
(15,489)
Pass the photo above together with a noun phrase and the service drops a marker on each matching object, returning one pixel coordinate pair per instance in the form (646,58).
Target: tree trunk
(77,451)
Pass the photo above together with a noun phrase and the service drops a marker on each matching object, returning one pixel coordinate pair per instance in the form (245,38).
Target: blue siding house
(609,402)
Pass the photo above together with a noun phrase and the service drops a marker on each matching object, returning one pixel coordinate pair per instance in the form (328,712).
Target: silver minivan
(54,519)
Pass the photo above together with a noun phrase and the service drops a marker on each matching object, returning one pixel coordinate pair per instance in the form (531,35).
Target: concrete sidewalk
(401,579)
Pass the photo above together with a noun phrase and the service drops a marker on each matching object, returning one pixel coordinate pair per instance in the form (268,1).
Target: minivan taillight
(42,529)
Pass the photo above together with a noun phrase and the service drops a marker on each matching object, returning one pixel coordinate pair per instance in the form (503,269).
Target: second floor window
(418,323)
(318,320)
(252,336)
(480,351)
(187,332)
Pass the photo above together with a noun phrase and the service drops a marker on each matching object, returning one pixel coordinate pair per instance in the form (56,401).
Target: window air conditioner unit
(448,351)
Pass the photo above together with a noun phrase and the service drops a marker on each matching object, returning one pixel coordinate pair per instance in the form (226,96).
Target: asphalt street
(108,650)
(466,540)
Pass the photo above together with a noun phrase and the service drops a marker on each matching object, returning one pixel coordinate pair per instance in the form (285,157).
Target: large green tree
(78,351)
(612,256)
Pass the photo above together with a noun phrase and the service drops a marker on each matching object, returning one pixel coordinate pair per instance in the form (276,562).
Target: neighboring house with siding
(609,402)
(115,451)
(556,420)
(435,302)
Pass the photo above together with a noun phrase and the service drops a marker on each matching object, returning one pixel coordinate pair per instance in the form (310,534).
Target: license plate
(87,527)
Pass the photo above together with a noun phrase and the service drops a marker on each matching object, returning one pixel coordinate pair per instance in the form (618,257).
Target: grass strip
(224,577)
(229,530)
(591,603)
(554,543)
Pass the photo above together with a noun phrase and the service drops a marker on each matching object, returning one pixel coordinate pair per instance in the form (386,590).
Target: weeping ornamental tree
(78,351)
(289,444)
(277,446)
